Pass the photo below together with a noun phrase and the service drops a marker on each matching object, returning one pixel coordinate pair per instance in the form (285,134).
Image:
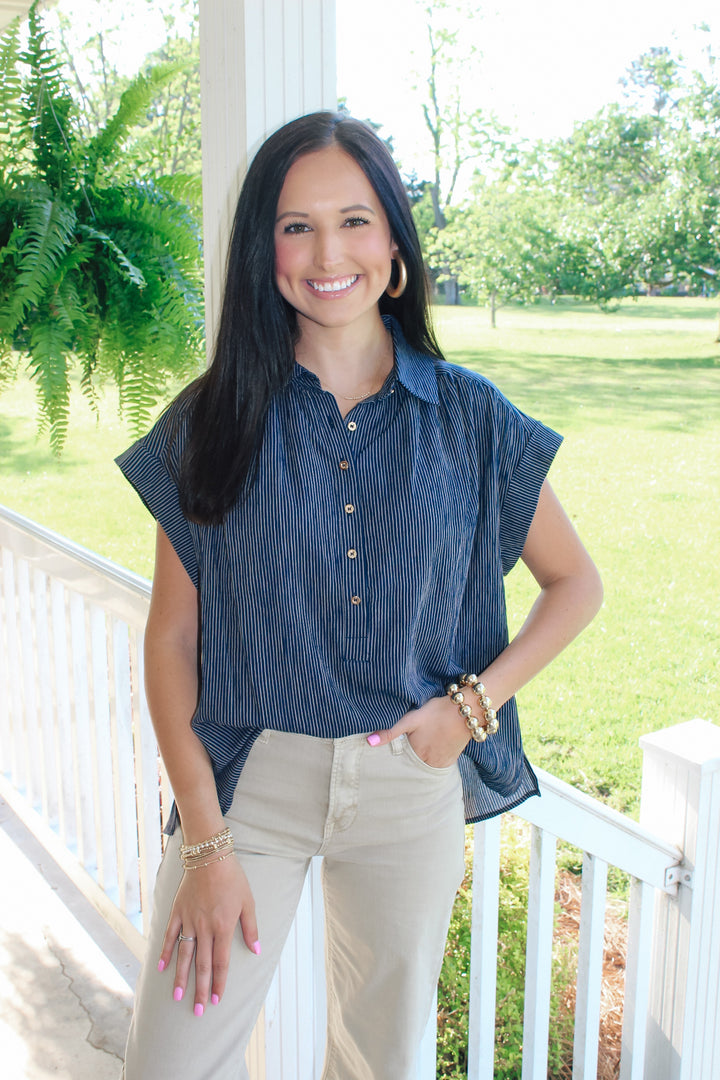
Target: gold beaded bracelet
(214,849)
(195,865)
(211,844)
(479,729)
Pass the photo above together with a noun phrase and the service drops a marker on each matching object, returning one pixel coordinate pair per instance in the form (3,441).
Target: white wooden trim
(67,826)
(148,783)
(262,63)
(68,862)
(538,957)
(590,968)
(681,799)
(111,586)
(128,874)
(103,772)
(637,981)
(600,830)
(13,720)
(82,752)
(31,775)
(483,950)
(679,993)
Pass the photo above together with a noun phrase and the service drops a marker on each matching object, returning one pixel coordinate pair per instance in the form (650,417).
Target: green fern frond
(9,364)
(75,257)
(88,335)
(48,108)
(65,306)
(13,136)
(149,209)
(47,233)
(134,104)
(140,389)
(130,272)
(94,269)
(87,383)
(49,353)
(182,187)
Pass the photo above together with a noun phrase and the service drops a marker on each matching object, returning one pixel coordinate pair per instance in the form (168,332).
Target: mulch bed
(567,925)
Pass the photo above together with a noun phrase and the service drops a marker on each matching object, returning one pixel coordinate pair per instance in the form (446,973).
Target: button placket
(354,572)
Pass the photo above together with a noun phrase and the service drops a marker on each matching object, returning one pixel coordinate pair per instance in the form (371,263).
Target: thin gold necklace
(348,397)
(361,397)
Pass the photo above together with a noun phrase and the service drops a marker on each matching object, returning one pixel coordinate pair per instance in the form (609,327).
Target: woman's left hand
(436,731)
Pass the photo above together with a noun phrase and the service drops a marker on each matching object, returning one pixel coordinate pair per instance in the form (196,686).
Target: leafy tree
(614,156)
(459,134)
(501,245)
(640,185)
(655,75)
(98,269)
(697,166)
(166,140)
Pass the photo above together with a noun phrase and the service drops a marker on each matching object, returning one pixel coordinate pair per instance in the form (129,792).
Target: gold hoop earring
(399,289)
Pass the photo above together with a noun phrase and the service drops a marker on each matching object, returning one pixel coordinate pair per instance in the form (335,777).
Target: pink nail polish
(178,993)
(199,1009)
(256,948)
(373,739)
(215,999)
(161,965)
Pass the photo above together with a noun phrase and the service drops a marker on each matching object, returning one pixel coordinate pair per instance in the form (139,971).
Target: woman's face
(333,248)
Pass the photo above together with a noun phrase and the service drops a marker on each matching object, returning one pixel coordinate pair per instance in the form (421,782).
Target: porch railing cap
(696,743)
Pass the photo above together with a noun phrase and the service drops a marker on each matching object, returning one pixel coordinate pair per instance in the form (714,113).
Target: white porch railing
(78,760)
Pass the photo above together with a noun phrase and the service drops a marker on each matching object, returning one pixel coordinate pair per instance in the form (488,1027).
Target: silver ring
(185,937)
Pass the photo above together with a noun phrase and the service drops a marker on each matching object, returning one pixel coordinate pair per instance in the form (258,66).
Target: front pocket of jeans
(442,770)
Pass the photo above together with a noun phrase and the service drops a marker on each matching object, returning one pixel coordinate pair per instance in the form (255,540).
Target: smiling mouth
(333,286)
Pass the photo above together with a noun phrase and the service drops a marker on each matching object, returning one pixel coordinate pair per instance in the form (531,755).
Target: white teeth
(333,286)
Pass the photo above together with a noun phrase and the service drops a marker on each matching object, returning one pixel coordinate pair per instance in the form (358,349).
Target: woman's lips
(337,285)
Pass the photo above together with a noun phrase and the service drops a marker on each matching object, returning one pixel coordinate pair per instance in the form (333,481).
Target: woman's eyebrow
(291,213)
(343,210)
(356,206)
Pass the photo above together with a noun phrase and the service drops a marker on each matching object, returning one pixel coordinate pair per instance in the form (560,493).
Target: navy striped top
(365,568)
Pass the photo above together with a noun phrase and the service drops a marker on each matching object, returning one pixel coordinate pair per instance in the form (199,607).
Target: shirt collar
(415,370)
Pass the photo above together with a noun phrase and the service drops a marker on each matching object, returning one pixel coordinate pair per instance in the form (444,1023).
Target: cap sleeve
(146,465)
(526,449)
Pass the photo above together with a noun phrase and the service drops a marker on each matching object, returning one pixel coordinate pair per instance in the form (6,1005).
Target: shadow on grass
(669,392)
(678,308)
(20,458)
(644,308)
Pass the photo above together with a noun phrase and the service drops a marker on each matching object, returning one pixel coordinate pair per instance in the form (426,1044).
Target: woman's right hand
(207,907)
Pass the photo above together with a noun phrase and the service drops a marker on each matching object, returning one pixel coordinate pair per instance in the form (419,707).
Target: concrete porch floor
(65,977)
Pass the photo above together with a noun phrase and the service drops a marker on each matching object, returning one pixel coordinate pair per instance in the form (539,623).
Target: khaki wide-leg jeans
(390,828)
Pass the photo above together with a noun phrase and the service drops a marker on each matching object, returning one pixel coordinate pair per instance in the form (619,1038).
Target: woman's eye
(353,222)
(296,227)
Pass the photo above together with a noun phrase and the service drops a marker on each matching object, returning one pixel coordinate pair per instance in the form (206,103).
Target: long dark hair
(254,350)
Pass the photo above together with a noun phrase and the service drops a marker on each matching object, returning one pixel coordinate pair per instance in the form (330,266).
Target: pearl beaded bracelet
(479,729)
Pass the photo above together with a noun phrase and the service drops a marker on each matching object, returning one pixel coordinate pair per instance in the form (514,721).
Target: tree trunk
(452,292)
(493,311)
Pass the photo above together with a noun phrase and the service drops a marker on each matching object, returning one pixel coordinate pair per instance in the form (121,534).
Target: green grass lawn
(636,393)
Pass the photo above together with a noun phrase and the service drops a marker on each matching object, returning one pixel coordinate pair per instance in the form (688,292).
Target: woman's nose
(328,248)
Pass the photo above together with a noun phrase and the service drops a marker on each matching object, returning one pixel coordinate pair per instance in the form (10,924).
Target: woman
(336,507)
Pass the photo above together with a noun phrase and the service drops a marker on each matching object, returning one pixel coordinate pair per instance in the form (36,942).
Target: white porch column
(262,62)
(681,803)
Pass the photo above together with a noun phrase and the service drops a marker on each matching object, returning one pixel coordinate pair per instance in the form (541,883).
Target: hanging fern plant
(100,269)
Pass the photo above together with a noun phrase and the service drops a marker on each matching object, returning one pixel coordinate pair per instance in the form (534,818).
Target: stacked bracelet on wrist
(217,848)
(479,729)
